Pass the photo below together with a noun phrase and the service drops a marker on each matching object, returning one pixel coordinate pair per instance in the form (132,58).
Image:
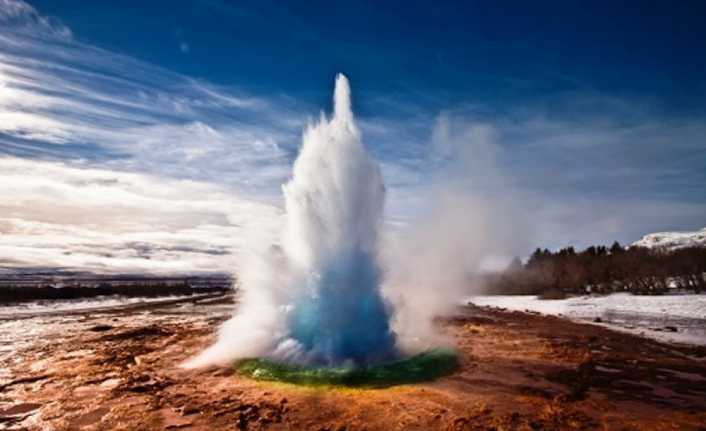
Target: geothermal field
(118,369)
(316,334)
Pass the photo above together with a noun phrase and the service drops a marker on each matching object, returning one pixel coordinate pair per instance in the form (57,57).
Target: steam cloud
(471,226)
(334,291)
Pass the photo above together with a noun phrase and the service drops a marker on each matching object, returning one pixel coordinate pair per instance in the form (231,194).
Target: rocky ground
(120,371)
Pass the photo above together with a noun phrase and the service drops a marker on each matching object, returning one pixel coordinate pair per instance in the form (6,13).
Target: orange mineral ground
(119,370)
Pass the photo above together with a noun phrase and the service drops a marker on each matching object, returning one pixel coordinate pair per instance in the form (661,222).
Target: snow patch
(673,240)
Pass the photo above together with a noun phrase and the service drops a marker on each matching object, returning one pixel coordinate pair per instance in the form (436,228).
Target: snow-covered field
(648,315)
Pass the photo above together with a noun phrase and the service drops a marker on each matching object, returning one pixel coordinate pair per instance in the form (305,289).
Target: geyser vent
(425,366)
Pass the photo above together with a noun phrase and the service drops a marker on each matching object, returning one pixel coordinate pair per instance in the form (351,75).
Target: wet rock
(172,420)
(578,380)
(177,426)
(23,380)
(90,418)
(19,409)
(460,423)
(241,421)
(137,333)
(188,409)
(262,413)
(144,383)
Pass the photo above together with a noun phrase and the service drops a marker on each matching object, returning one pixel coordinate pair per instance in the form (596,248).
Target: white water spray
(316,299)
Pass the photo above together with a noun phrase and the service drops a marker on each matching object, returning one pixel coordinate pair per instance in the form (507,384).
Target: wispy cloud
(63,99)
(23,17)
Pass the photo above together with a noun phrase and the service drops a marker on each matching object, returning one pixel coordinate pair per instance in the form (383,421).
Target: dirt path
(519,371)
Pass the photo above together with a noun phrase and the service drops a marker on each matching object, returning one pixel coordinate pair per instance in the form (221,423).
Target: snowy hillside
(673,240)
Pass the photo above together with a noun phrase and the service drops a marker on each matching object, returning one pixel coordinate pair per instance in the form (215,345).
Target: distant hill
(673,240)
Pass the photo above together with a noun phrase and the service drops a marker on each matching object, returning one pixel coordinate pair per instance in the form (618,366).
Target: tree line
(601,269)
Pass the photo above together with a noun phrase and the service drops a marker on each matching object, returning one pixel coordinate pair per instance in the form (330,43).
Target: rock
(598,320)
(145,384)
(19,409)
(189,409)
(177,426)
(241,423)
(100,328)
(24,380)
(460,423)
(670,328)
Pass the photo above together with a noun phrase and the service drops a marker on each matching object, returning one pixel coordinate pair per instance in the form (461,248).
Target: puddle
(684,375)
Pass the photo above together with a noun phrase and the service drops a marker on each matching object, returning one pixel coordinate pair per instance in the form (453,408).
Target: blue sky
(589,116)
(448,53)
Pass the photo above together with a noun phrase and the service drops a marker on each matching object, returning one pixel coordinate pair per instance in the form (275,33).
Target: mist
(473,224)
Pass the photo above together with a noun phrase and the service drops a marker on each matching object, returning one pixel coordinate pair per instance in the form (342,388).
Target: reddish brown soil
(519,371)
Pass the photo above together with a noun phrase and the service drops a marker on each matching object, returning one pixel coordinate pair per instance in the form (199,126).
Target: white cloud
(53,214)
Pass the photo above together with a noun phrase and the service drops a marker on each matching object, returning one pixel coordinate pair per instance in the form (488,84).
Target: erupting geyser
(334,206)
(315,299)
